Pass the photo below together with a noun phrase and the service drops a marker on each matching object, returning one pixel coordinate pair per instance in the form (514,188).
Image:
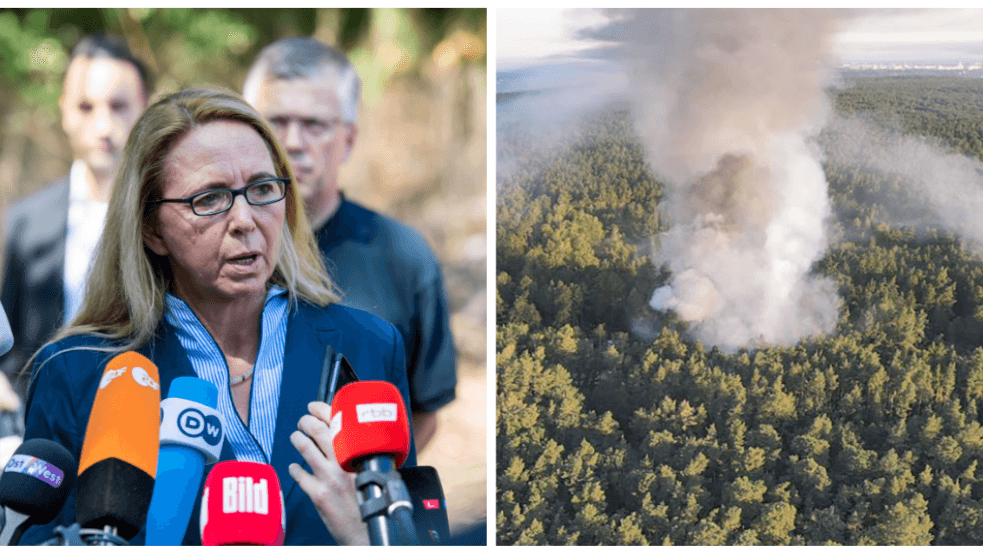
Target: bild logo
(376,412)
(193,423)
(242,495)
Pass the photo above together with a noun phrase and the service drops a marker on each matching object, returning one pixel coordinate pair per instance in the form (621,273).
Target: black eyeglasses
(215,201)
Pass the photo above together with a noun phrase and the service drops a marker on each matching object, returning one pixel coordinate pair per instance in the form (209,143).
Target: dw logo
(193,423)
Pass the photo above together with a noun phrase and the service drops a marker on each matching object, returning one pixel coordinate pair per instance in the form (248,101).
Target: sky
(526,35)
(913,35)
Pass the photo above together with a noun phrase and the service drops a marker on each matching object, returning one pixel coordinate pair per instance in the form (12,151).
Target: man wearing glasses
(50,236)
(309,92)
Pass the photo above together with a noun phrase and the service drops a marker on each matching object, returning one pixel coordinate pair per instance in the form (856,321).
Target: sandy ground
(458,450)
(462,467)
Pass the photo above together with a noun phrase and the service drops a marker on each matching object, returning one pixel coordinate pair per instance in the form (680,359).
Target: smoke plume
(946,188)
(726,103)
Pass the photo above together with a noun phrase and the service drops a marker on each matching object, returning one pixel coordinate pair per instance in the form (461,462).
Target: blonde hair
(126,285)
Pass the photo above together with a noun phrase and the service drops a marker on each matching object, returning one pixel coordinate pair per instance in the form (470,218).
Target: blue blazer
(64,385)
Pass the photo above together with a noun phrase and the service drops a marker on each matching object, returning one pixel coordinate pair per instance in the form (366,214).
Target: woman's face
(230,255)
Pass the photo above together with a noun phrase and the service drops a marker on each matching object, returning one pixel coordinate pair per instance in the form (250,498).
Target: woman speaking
(207,267)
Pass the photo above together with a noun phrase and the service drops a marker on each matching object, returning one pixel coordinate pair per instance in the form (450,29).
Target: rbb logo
(242,495)
(193,423)
(376,412)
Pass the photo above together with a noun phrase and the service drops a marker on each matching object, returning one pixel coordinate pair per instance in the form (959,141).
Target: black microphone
(476,534)
(34,486)
(429,505)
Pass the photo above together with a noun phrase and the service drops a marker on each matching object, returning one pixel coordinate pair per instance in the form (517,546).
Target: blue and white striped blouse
(254,443)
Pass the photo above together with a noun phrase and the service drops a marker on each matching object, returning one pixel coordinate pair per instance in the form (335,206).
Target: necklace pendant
(233,380)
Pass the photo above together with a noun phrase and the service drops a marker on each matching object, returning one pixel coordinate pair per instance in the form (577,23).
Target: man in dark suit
(50,236)
(309,92)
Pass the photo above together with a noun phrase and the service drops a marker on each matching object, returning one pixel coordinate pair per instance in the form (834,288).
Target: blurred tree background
(420,155)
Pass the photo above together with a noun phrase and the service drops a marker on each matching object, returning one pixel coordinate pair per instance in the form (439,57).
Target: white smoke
(948,187)
(726,103)
(541,109)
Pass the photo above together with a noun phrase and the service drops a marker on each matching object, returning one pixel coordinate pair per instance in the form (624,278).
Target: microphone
(119,453)
(371,436)
(242,505)
(34,486)
(6,335)
(429,505)
(368,419)
(191,434)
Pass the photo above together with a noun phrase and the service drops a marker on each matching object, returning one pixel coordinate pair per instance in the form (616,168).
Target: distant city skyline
(528,36)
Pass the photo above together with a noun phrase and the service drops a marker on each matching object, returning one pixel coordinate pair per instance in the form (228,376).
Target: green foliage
(202,46)
(633,432)
(31,61)
(947,108)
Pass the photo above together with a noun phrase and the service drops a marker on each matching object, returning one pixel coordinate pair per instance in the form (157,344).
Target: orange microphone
(119,454)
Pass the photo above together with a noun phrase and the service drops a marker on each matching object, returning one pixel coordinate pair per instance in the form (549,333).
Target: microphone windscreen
(189,417)
(429,505)
(242,504)
(37,479)
(368,418)
(191,435)
(119,454)
(6,336)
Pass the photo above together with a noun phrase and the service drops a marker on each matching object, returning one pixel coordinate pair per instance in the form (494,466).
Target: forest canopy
(616,426)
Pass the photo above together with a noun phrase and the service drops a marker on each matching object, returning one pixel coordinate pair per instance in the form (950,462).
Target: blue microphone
(191,434)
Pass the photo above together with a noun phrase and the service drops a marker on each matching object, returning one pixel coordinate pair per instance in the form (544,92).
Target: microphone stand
(74,535)
(382,493)
(11,525)
(372,503)
(401,509)
(106,537)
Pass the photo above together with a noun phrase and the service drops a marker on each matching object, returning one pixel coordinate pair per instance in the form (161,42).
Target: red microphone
(371,436)
(242,505)
(368,419)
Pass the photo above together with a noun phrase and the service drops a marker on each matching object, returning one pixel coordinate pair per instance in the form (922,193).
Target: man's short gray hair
(306,58)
